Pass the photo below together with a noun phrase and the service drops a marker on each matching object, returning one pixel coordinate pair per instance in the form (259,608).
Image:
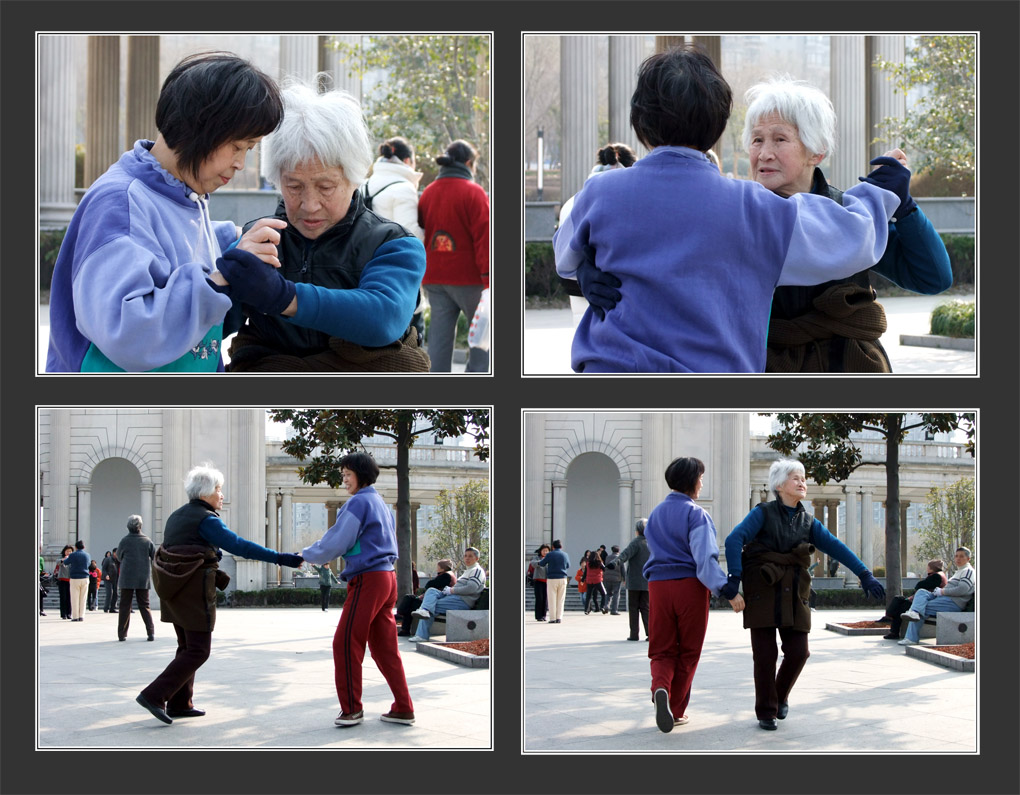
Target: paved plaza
(587,689)
(267,684)
(549,332)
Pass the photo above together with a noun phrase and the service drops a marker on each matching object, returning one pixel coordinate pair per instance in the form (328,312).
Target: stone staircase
(573,602)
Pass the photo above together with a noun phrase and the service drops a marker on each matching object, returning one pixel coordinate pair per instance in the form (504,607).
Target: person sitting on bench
(953,598)
(460,596)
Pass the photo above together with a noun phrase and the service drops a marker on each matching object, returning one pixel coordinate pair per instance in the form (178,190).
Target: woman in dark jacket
(770,550)
(593,579)
(63,576)
(186,575)
(539,582)
(136,552)
(454,211)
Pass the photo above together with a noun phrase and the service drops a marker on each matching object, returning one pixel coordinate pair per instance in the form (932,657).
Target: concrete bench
(954,628)
(477,615)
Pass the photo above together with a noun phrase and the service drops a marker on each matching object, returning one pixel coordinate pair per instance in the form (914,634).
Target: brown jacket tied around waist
(777,587)
(186,578)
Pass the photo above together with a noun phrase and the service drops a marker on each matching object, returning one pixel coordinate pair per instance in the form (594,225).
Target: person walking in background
(186,574)
(78,572)
(770,550)
(94,575)
(635,556)
(111,575)
(136,552)
(682,570)
(613,580)
(326,582)
(557,572)
(364,534)
(593,579)
(537,573)
(61,572)
(454,211)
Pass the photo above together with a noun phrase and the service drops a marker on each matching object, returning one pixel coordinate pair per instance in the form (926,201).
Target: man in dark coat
(635,556)
(110,568)
(136,552)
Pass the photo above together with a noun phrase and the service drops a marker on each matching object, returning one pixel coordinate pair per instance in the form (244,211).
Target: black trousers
(541,599)
(637,602)
(124,615)
(405,606)
(770,688)
(324,593)
(64,587)
(111,594)
(595,591)
(895,611)
(175,687)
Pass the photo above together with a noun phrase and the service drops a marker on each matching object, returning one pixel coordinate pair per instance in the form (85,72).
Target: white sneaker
(421,612)
(912,615)
(416,639)
(908,642)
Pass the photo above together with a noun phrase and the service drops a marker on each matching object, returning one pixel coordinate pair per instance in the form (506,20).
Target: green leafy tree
(435,90)
(949,521)
(461,520)
(941,125)
(830,454)
(324,436)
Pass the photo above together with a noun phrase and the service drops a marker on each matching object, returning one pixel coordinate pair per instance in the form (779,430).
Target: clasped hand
(737,603)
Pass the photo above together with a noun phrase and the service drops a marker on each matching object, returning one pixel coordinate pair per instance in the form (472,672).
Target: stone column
(904,504)
(852,539)
(867,553)
(56,131)
(884,100)
(579,105)
(142,87)
(85,513)
(534,481)
(848,83)
(414,530)
(663,43)
(339,66)
(713,46)
(625,56)
(832,522)
(102,115)
(559,524)
(177,454)
(59,507)
(730,476)
(626,519)
(819,558)
(148,490)
(299,58)
(272,528)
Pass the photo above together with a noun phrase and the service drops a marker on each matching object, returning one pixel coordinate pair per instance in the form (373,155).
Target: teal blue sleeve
(915,257)
(740,535)
(377,311)
(833,547)
(215,532)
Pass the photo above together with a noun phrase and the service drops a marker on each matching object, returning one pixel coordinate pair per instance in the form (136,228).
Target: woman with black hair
(593,580)
(454,211)
(364,535)
(136,286)
(392,190)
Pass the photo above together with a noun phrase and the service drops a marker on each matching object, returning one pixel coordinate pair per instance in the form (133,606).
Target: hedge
(828,599)
(280,597)
(540,279)
(953,319)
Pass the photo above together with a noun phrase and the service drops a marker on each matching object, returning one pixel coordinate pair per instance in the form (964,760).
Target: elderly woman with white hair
(770,551)
(344,283)
(186,574)
(789,129)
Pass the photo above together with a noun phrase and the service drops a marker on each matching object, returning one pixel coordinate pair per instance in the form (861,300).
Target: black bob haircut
(680,100)
(364,467)
(213,98)
(683,473)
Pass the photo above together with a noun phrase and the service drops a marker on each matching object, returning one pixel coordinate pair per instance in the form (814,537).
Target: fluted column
(272,535)
(338,66)
(559,528)
(626,520)
(102,115)
(142,87)
(148,490)
(299,58)
(625,56)
(248,444)
(712,45)
(578,74)
(85,513)
(852,539)
(884,100)
(56,131)
(663,43)
(867,553)
(177,455)
(287,531)
(534,480)
(731,475)
(848,83)
(60,464)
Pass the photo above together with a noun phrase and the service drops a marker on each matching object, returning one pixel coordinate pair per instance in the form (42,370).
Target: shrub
(280,597)
(540,279)
(953,319)
(961,257)
(879,571)
(49,247)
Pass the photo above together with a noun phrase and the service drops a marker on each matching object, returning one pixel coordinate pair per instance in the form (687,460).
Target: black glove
(730,589)
(291,561)
(255,283)
(597,286)
(871,586)
(893,176)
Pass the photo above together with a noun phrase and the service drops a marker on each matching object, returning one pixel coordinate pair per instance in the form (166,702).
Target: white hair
(326,127)
(781,470)
(202,481)
(797,103)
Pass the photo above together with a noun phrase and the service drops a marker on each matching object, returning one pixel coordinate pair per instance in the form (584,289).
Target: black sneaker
(663,715)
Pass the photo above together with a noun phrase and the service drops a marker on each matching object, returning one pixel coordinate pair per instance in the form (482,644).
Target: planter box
(453,655)
(828,583)
(845,630)
(931,655)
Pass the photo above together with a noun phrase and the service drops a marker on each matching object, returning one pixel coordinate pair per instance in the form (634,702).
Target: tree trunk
(404,580)
(893,579)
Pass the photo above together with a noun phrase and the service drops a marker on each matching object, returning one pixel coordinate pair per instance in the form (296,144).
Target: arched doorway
(116,494)
(593,503)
